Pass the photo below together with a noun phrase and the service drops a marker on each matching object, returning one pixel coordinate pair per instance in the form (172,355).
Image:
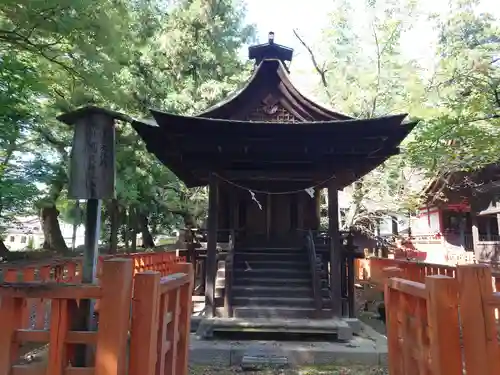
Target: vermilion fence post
(30,304)
(444,328)
(144,329)
(173,330)
(114,317)
(59,325)
(11,276)
(392,300)
(10,321)
(478,320)
(181,367)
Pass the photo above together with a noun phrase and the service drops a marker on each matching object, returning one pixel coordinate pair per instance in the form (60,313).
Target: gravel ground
(314,370)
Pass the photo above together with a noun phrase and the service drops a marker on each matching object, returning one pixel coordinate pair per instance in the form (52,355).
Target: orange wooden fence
(443,325)
(168,303)
(161,262)
(68,271)
(423,327)
(371,269)
(161,322)
(478,303)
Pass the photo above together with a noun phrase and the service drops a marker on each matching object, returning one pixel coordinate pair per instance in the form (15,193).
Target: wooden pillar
(335,250)
(211,260)
(351,277)
(462,225)
(488,230)
(317,207)
(475,235)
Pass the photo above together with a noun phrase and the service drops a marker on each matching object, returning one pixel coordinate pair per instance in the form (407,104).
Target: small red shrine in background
(460,220)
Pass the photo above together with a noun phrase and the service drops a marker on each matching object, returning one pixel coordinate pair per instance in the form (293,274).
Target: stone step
(251,256)
(268,281)
(273,312)
(272,291)
(272,250)
(276,273)
(338,328)
(276,291)
(266,264)
(273,301)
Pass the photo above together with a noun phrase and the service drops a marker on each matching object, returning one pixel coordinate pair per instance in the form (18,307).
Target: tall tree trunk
(4,251)
(114,217)
(54,239)
(187,217)
(125,228)
(147,237)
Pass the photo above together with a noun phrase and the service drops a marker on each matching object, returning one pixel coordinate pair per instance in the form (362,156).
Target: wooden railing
(161,262)
(478,303)
(110,340)
(443,325)
(160,329)
(372,270)
(315,276)
(159,325)
(68,271)
(423,327)
(60,270)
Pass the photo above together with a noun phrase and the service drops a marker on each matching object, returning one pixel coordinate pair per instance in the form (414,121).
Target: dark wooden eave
(272,155)
(270,78)
(463,183)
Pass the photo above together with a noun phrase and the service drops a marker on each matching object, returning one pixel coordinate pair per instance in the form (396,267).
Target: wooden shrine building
(265,153)
(462,211)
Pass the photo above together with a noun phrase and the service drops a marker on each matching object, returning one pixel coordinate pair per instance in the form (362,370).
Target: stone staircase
(272,282)
(272,294)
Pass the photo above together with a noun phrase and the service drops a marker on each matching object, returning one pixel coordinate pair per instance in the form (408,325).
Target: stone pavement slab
(370,348)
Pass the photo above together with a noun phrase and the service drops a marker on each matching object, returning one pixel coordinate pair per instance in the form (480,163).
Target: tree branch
(24,43)
(379,68)
(321,70)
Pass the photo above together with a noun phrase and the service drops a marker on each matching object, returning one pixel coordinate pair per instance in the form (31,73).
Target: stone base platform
(369,348)
(335,329)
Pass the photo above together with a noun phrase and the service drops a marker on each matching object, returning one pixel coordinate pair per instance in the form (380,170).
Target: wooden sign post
(91,177)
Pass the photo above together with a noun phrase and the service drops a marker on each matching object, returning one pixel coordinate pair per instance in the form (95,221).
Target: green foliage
(365,74)
(126,55)
(466,88)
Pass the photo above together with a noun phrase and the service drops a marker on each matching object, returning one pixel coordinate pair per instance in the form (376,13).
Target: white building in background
(26,232)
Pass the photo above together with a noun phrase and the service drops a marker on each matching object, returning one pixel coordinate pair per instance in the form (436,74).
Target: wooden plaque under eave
(92,165)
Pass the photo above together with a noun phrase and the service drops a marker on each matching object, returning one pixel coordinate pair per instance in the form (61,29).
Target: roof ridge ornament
(270,37)
(271,51)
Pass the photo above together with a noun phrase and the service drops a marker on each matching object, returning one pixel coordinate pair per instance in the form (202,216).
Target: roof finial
(271,37)
(270,51)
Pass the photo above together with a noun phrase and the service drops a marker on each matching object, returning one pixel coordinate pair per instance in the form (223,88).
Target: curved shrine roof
(269,136)
(270,82)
